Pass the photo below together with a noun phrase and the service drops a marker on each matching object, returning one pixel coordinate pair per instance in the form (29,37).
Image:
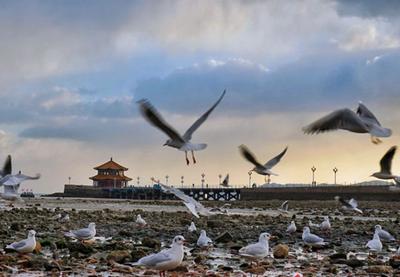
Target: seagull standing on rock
(140,221)
(176,140)
(83,234)
(361,121)
(386,167)
(383,234)
(257,250)
(192,228)
(311,239)
(291,228)
(326,224)
(167,259)
(204,241)
(375,244)
(262,169)
(26,245)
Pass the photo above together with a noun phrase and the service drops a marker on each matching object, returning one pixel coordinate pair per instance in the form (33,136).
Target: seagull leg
(194,159)
(375,140)
(187,160)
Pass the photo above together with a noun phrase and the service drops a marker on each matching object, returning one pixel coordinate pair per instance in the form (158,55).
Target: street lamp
(138,181)
(220,177)
(250,172)
(182,181)
(335,170)
(166,179)
(69,180)
(313,169)
(202,180)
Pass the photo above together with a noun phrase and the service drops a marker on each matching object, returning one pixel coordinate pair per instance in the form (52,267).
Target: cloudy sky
(72,71)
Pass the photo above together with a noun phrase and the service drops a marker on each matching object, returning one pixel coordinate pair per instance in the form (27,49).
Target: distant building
(110,175)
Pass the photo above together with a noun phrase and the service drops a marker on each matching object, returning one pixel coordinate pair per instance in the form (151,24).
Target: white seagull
(386,167)
(375,244)
(26,245)
(140,221)
(257,250)
(12,183)
(349,204)
(167,259)
(262,169)
(361,121)
(291,228)
(284,207)
(383,234)
(311,239)
(326,224)
(195,207)
(313,225)
(203,241)
(192,228)
(176,140)
(84,233)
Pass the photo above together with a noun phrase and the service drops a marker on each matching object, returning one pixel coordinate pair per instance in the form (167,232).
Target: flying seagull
(361,121)
(195,207)
(348,204)
(386,167)
(176,140)
(284,207)
(258,167)
(225,182)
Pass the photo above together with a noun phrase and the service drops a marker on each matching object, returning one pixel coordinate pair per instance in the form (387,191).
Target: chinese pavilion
(110,175)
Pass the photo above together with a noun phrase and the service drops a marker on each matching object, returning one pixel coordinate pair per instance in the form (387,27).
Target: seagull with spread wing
(348,204)
(12,182)
(386,167)
(195,207)
(176,140)
(361,121)
(258,167)
(225,182)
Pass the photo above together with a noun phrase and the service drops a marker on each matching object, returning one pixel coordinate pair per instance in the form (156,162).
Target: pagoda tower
(110,175)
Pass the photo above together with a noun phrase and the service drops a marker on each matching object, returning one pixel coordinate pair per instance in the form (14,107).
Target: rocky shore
(119,240)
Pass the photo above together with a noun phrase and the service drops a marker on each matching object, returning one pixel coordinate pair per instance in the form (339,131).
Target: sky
(71,73)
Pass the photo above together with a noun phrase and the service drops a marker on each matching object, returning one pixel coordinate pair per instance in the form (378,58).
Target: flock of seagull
(360,121)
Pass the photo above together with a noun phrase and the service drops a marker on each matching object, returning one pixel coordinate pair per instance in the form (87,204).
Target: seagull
(26,245)
(361,121)
(284,207)
(326,224)
(291,228)
(176,140)
(383,235)
(225,182)
(223,209)
(375,244)
(167,259)
(258,167)
(257,250)
(386,167)
(195,207)
(349,204)
(62,217)
(140,221)
(192,228)
(203,241)
(311,239)
(83,234)
(313,225)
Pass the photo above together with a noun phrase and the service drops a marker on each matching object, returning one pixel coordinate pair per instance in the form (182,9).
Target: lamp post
(138,181)
(220,177)
(250,172)
(335,170)
(313,169)
(182,181)
(202,180)
(166,179)
(69,180)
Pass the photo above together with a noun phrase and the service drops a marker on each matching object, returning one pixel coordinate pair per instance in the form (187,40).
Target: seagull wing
(285,205)
(6,167)
(154,118)
(340,119)
(271,163)
(188,134)
(83,233)
(255,249)
(154,259)
(18,244)
(248,155)
(225,182)
(311,238)
(192,208)
(353,203)
(364,112)
(386,161)
(12,180)
(11,189)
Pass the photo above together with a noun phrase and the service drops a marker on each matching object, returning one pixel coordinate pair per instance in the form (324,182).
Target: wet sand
(120,240)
